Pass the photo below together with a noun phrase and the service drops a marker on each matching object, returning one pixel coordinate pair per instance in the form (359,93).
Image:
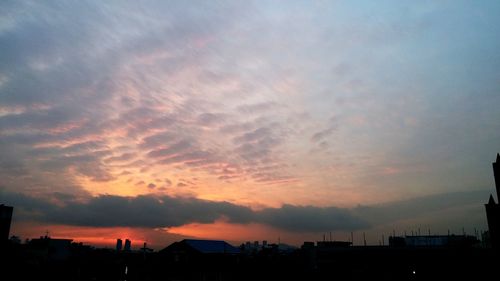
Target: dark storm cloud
(311,219)
(140,211)
(390,212)
(166,211)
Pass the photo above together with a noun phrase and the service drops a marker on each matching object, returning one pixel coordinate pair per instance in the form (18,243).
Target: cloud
(157,140)
(122,81)
(171,150)
(411,208)
(193,158)
(257,146)
(210,119)
(166,211)
(96,173)
(257,108)
(121,158)
(140,211)
(321,135)
(311,219)
(237,127)
(253,136)
(90,89)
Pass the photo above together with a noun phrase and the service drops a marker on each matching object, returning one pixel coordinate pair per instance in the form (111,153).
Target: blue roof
(212,246)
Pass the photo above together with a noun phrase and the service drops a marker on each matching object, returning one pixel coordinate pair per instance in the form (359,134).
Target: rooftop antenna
(145,248)
(352,238)
(364,239)
(463,230)
(393,233)
(429,231)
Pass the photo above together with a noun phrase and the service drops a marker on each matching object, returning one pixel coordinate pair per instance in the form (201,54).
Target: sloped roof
(211,246)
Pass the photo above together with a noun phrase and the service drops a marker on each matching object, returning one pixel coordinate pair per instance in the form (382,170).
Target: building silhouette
(5,220)
(493,208)
(192,259)
(50,248)
(128,245)
(201,247)
(118,245)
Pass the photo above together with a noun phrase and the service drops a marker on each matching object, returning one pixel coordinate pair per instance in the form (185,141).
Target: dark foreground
(19,262)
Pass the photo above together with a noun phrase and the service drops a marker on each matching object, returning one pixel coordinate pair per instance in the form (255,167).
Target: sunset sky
(247,120)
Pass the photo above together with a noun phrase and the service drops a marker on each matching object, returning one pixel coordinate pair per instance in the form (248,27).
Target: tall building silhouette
(128,245)
(493,208)
(5,219)
(118,245)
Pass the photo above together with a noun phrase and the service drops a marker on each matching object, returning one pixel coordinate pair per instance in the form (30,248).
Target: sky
(247,120)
